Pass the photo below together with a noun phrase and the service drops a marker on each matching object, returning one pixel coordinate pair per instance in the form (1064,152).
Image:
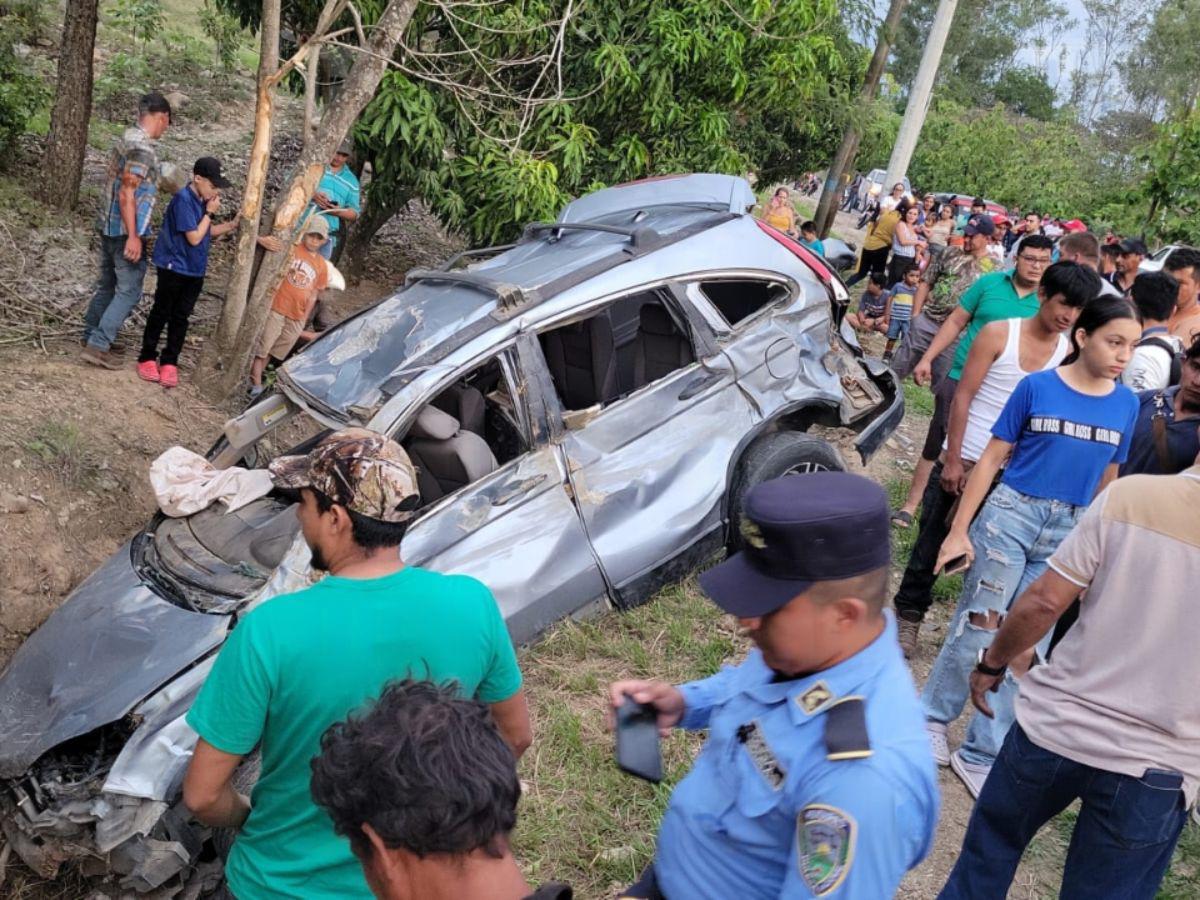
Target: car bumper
(879,427)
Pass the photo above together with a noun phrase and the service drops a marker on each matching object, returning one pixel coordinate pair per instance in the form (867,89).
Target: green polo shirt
(300,662)
(991,298)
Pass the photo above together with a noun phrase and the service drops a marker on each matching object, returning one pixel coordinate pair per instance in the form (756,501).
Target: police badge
(825,847)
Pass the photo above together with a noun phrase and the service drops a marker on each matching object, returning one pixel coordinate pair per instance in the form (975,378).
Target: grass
(917,399)
(62,450)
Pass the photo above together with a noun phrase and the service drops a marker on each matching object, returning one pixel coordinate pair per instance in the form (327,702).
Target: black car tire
(772,456)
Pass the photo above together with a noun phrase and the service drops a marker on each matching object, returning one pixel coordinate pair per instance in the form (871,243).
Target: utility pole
(918,96)
(839,169)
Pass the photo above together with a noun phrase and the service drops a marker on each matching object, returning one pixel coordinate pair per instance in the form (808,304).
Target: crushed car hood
(107,647)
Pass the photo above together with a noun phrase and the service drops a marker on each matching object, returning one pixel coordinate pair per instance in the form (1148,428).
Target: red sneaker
(168,376)
(148,370)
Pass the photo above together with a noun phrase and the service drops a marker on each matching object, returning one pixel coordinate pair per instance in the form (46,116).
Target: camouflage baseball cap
(358,469)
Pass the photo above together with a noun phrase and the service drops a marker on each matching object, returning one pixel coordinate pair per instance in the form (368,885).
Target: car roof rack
(509,296)
(468,254)
(642,239)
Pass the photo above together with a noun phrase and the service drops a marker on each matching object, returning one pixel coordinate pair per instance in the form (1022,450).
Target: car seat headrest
(433,424)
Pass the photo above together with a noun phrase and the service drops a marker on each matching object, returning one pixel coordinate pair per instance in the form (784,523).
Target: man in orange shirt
(307,273)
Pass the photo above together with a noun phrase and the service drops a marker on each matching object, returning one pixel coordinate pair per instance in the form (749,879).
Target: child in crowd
(1156,359)
(1064,432)
(808,237)
(307,273)
(181,258)
(900,308)
(872,306)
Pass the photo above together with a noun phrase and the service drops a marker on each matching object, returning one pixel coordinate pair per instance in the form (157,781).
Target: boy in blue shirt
(899,311)
(808,237)
(1064,432)
(872,306)
(181,258)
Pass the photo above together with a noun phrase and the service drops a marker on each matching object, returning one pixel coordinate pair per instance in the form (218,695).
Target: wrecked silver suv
(586,407)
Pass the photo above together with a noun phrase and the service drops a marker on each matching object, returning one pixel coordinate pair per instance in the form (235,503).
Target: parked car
(839,254)
(874,180)
(587,409)
(1154,262)
(963,202)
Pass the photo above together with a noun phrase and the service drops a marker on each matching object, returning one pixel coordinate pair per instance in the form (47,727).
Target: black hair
(368,533)
(879,279)
(1097,313)
(810,225)
(154,102)
(1182,258)
(1110,250)
(979,201)
(1031,212)
(903,268)
(903,207)
(425,767)
(1077,284)
(1037,242)
(1193,352)
(1154,294)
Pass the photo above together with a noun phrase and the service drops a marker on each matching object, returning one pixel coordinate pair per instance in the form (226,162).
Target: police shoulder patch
(825,838)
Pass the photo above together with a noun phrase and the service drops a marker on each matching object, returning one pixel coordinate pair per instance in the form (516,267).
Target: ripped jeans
(1013,536)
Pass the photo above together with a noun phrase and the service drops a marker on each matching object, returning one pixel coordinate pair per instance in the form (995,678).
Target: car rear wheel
(773,456)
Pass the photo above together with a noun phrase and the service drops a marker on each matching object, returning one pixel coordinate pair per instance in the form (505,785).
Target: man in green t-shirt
(300,662)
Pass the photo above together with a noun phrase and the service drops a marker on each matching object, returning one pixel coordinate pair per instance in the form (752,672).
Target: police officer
(817,778)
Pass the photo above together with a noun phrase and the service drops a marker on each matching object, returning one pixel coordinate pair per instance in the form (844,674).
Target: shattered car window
(348,368)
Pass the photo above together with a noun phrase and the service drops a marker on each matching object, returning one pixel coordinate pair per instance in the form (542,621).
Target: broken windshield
(345,371)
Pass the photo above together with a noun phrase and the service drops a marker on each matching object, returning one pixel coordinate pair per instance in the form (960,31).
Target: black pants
(174,299)
(915,595)
(870,261)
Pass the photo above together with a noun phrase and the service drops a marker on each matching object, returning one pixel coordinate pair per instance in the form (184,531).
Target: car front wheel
(773,456)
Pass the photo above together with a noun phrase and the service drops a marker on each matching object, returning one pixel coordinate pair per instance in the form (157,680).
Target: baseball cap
(1000,219)
(799,530)
(1074,225)
(316,224)
(210,167)
(359,469)
(980,224)
(346,147)
(1133,245)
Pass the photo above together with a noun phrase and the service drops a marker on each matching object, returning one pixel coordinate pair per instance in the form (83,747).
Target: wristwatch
(984,668)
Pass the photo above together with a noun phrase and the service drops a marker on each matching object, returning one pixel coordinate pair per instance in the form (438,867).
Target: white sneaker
(937,739)
(973,775)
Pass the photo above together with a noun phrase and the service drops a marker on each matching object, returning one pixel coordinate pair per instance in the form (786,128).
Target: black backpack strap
(1175,356)
(1158,428)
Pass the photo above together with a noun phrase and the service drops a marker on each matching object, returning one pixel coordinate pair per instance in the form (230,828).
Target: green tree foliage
(1161,72)
(1172,184)
(1024,90)
(648,87)
(23,93)
(982,46)
(226,33)
(140,20)
(1048,166)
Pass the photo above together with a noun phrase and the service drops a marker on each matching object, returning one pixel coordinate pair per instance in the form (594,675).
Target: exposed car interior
(466,432)
(738,300)
(630,343)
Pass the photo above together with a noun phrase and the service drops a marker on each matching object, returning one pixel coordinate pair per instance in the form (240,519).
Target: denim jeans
(1013,536)
(1122,842)
(118,292)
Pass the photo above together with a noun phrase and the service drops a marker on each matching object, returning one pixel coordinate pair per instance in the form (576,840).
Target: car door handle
(521,487)
(697,385)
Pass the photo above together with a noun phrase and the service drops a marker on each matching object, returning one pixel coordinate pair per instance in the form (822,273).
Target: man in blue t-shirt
(181,258)
(1064,431)
(338,197)
(1165,438)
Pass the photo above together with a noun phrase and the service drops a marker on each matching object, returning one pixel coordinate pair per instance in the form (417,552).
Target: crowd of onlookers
(1060,474)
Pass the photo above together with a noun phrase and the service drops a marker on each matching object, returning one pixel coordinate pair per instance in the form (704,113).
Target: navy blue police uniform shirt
(171,249)
(789,797)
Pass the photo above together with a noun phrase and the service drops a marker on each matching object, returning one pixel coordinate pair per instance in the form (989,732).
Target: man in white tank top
(1001,355)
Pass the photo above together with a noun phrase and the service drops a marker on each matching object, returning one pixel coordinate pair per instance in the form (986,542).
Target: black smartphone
(637,740)
(958,564)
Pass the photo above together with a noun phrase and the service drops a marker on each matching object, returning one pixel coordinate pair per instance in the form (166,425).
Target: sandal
(902,518)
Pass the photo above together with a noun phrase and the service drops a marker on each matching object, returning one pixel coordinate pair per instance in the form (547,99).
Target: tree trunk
(67,142)
(374,216)
(360,87)
(311,71)
(238,287)
(839,170)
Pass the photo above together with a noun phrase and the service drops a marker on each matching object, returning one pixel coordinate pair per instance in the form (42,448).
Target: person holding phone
(1064,433)
(1111,719)
(816,776)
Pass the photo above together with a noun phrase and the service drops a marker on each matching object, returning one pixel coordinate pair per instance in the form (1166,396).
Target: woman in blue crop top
(1064,432)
